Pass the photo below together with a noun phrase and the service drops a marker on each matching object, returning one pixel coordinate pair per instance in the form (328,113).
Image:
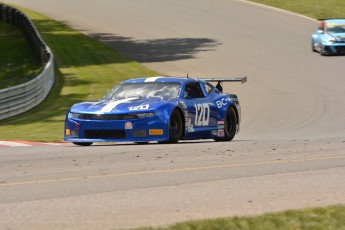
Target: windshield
(336,29)
(167,90)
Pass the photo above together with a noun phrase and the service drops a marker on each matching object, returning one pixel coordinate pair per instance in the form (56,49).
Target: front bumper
(133,130)
(336,48)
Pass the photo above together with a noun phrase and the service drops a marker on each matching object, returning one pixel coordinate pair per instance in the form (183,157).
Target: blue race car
(163,109)
(330,37)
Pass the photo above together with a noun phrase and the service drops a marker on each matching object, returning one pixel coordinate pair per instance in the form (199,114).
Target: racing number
(139,107)
(202,114)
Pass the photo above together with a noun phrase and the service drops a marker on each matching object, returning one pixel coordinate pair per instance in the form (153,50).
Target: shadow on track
(158,50)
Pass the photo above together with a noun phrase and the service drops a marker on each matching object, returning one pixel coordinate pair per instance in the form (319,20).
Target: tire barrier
(23,97)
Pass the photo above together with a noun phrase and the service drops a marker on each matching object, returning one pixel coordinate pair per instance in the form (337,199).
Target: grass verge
(330,218)
(312,8)
(17,61)
(85,69)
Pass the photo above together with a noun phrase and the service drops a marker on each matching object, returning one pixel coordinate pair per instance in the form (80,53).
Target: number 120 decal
(202,114)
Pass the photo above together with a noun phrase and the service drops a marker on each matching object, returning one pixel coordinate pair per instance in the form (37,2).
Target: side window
(208,87)
(193,90)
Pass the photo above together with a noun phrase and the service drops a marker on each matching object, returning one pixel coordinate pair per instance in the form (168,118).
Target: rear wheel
(83,143)
(230,125)
(175,127)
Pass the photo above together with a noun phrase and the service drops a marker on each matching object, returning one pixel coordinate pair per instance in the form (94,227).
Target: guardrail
(21,98)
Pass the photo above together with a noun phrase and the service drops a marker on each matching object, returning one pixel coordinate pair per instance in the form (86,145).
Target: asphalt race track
(289,154)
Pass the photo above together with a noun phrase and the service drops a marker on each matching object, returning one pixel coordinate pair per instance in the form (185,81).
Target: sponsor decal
(222,102)
(332,24)
(214,132)
(183,105)
(190,126)
(185,111)
(155,131)
(234,99)
(128,125)
(220,133)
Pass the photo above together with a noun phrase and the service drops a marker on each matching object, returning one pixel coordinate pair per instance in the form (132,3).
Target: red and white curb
(28,144)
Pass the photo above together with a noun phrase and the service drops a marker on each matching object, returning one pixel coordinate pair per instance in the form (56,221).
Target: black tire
(142,143)
(175,128)
(230,125)
(323,50)
(83,143)
(312,46)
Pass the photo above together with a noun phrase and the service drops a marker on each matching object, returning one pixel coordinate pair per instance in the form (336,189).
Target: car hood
(340,36)
(128,105)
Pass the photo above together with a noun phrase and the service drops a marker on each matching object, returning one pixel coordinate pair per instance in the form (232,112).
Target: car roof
(162,79)
(335,21)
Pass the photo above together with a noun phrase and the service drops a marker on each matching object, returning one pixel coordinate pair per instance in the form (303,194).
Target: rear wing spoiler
(221,80)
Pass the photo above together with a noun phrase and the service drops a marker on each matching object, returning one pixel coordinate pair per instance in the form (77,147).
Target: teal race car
(329,38)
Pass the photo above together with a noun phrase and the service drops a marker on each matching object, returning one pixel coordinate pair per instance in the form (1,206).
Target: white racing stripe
(13,144)
(109,107)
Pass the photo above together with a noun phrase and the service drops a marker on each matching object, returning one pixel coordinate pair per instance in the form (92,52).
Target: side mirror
(319,31)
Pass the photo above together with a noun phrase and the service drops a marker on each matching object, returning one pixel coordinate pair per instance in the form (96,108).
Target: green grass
(330,218)
(312,8)
(85,69)
(17,61)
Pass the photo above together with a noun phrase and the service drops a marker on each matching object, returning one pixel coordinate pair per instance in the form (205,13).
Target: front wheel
(175,128)
(323,50)
(313,46)
(83,143)
(230,125)
(142,143)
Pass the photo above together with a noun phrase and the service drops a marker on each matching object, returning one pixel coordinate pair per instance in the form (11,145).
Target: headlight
(74,115)
(331,40)
(143,115)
